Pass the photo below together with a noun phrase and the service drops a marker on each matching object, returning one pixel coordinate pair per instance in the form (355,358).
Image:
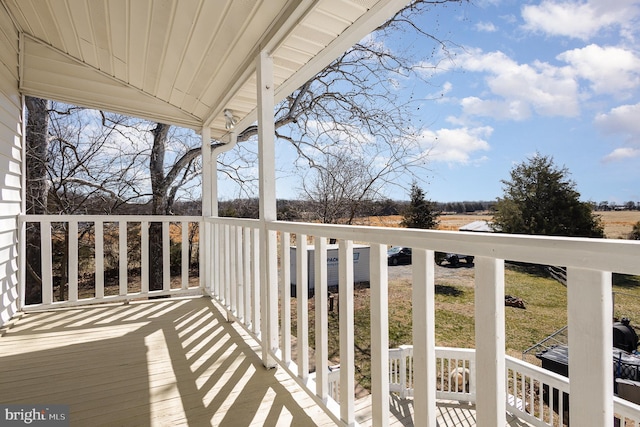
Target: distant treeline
(300,210)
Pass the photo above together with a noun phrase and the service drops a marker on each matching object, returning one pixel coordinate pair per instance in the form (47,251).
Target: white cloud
(581,19)
(610,70)
(486,27)
(521,88)
(621,154)
(621,120)
(456,145)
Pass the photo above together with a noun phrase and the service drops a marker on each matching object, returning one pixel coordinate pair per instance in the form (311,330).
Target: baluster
(424,356)
(246,247)
(46,262)
(99,251)
(322,333)
(380,335)
(166,258)
(302,300)
(184,251)
(73,260)
(144,257)
(285,293)
(347,357)
(123,260)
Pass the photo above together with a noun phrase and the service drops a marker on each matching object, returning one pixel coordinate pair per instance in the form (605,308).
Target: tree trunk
(158,205)
(36,190)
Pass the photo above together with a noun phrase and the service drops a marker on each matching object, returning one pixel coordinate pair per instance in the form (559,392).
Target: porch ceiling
(181,61)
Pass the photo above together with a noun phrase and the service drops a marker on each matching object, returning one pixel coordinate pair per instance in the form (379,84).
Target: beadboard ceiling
(181,62)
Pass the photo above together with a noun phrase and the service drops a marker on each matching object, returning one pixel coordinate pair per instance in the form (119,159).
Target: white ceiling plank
(179,36)
(161,15)
(138,27)
(69,38)
(203,30)
(81,19)
(100,27)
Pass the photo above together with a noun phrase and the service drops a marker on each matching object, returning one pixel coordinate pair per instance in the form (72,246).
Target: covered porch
(117,358)
(229,326)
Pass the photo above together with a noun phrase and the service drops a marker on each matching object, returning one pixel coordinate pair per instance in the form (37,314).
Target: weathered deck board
(155,363)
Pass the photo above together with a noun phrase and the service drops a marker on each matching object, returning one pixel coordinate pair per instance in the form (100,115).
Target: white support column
(208,196)
(490,342)
(424,341)
(347,353)
(590,305)
(267,178)
(379,335)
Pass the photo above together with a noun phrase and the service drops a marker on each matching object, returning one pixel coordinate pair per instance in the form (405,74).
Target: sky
(556,77)
(559,78)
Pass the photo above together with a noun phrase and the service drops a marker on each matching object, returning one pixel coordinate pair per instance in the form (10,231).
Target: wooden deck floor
(154,363)
(166,362)
(450,414)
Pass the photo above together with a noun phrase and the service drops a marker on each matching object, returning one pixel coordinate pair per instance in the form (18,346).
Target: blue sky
(555,77)
(561,78)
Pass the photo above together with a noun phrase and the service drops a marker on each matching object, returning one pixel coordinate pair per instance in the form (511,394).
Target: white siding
(10,167)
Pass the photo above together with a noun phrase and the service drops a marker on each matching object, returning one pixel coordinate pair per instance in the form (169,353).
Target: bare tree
(341,186)
(351,103)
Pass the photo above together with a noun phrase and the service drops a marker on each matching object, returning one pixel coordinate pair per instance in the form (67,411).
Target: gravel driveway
(462,275)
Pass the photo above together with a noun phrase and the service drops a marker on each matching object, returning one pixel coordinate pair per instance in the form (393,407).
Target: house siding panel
(10,169)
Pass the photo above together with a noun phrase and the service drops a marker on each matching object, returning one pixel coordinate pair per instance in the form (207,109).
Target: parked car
(452,259)
(397,255)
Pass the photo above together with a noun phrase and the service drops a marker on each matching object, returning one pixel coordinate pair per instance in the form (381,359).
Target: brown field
(617,224)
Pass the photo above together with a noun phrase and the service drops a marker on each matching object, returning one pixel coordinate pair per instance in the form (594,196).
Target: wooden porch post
(267,179)
(490,342)
(590,336)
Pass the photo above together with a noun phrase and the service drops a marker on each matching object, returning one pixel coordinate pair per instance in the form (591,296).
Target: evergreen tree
(421,213)
(541,199)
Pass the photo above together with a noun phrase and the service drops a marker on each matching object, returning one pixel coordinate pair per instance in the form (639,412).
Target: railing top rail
(108,218)
(245,222)
(618,256)
(550,377)
(595,254)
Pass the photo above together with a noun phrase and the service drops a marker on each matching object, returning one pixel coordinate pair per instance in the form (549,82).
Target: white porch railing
(455,373)
(251,277)
(535,395)
(108,241)
(245,265)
